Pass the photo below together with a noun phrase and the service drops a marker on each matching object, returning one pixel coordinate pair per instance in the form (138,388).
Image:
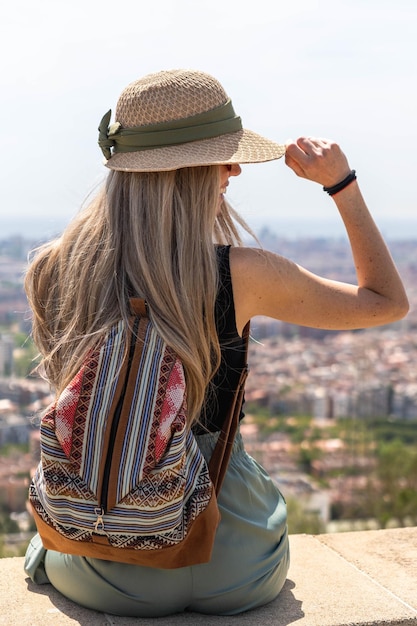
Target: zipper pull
(99,525)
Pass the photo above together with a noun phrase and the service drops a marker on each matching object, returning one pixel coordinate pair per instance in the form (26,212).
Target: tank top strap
(220,393)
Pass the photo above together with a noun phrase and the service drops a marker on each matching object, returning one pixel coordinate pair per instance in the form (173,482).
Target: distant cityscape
(39,228)
(294,371)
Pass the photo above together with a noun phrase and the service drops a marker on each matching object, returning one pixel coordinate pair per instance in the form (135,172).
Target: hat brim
(243,146)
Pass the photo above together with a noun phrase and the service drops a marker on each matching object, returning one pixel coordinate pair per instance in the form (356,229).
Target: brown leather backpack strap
(139,307)
(221,454)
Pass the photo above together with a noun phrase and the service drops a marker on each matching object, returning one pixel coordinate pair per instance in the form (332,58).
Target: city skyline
(35,228)
(341,70)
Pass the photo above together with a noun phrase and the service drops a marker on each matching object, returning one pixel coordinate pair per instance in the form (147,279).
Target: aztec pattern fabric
(121,476)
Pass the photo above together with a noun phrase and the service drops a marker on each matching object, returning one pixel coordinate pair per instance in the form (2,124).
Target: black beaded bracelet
(344,183)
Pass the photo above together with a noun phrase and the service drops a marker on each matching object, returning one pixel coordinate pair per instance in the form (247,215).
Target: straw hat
(178,118)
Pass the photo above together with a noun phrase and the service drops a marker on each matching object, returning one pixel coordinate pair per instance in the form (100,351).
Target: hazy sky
(340,69)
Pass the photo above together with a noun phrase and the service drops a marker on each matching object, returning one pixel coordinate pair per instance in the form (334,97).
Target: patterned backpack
(121,477)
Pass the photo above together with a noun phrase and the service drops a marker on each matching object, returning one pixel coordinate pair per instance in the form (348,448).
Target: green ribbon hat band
(218,121)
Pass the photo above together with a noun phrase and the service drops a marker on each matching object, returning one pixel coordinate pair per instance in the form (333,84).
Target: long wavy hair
(145,234)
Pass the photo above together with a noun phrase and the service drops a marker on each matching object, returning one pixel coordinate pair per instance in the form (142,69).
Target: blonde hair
(145,234)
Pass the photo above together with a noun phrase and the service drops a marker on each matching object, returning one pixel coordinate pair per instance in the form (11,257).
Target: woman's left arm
(266,284)
(324,162)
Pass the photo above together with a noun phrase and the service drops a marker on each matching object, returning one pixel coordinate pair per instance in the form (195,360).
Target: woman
(151,232)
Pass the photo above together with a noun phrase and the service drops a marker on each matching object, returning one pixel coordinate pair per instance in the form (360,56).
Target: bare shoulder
(247,264)
(242,257)
(244,266)
(256,274)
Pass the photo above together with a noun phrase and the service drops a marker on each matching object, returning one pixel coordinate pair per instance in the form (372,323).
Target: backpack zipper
(99,525)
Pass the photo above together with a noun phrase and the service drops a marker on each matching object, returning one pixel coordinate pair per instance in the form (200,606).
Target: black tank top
(221,392)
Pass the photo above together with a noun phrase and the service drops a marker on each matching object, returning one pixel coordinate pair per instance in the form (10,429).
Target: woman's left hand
(319,160)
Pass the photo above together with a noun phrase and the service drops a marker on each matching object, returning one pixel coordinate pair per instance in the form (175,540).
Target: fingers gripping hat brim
(179,118)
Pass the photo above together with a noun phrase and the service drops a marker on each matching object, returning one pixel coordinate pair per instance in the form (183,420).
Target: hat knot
(106,134)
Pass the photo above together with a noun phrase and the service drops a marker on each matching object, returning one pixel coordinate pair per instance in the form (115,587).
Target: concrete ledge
(349,579)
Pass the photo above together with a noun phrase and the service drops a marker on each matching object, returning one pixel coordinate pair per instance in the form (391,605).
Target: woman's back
(152,232)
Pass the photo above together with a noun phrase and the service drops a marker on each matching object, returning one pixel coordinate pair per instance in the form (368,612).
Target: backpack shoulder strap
(139,307)
(223,449)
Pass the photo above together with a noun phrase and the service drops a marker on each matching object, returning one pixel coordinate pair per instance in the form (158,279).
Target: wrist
(342,184)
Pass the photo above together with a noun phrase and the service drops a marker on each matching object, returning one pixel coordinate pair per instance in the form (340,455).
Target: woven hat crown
(178,118)
(168,95)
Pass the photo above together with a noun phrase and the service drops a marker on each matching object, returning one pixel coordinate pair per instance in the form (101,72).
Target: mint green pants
(248,567)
